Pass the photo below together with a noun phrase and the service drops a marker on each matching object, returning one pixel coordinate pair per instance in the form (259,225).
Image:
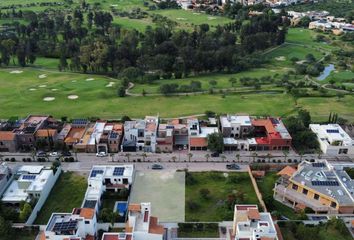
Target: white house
(5,177)
(106,178)
(79,225)
(30,183)
(250,224)
(333,139)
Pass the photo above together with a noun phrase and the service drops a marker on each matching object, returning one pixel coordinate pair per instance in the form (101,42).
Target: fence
(44,195)
(258,193)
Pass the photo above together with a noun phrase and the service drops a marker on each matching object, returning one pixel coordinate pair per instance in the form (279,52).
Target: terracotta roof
(89,237)
(289,171)
(154,227)
(87,213)
(258,174)
(300,206)
(42,236)
(280,236)
(253,213)
(7,135)
(128,229)
(134,207)
(111,237)
(267,238)
(46,132)
(198,142)
(352,222)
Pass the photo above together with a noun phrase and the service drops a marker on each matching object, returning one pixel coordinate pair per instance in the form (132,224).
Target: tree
(207,156)
(190,155)
(25,212)
(121,91)
(305,117)
(55,165)
(5,228)
(238,157)
(213,83)
(232,81)
(204,193)
(216,142)
(127,155)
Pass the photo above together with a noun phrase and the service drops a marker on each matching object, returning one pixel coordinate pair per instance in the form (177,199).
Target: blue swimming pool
(121,208)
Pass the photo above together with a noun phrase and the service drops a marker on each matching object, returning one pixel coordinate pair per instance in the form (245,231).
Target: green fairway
(225,189)
(67,194)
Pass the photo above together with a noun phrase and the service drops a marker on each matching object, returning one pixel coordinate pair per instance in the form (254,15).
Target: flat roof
(326,179)
(332,133)
(227,121)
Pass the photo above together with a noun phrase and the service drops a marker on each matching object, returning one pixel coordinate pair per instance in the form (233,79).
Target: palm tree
(223,158)
(319,153)
(238,157)
(144,155)
(269,156)
(285,152)
(301,153)
(112,156)
(174,158)
(190,155)
(254,155)
(128,156)
(75,152)
(1,156)
(207,156)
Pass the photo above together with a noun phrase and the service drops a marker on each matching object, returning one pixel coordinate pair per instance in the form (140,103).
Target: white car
(101,154)
(54,154)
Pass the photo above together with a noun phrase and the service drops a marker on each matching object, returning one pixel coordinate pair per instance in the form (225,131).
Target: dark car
(41,154)
(156,167)
(215,154)
(66,154)
(233,167)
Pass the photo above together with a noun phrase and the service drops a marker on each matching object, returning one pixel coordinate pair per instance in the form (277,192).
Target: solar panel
(325,183)
(332,131)
(94,173)
(65,226)
(28,177)
(118,171)
(318,165)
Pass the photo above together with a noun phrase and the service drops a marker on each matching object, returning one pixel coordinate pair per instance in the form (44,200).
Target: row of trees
(89,42)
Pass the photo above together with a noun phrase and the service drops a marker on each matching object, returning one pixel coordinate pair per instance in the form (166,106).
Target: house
(269,134)
(198,135)
(318,186)
(165,138)
(333,140)
(111,138)
(150,134)
(8,141)
(30,182)
(180,134)
(5,177)
(134,136)
(251,224)
(106,178)
(76,132)
(80,224)
(235,126)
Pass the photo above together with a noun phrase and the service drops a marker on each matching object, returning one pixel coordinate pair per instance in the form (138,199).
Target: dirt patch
(73,97)
(16,72)
(90,79)
(42,76)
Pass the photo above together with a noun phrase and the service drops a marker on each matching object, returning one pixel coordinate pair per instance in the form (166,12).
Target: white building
(81,224)
(106,178)
(31,182)
(140,225)
(5,177)
(235,126)
(250,224)
(333,139)
(198,135)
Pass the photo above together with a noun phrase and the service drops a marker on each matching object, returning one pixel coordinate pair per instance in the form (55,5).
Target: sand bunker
(182,19)
(73,97)
(42,86)
(16,71)
(301,62)
(211,18)
(32,89)
(90,79)
(42,76)
(196,13)
(54,89)
(114,5)
(280,58)
(48,99)
(110,84)
(73,81)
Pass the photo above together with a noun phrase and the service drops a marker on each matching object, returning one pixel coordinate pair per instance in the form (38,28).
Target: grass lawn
(266,186)
(224,191)
(137,24)
(67,194)
(334,230)
(198,230)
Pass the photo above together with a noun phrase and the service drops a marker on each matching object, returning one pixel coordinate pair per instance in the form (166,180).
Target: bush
(192,205)
(13,159)
(204,193)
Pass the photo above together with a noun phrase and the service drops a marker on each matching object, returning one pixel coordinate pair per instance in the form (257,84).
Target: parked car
(66,154)
(215,154)
(101,154)
(53,154)
(41,154)
(233,166)
(157,167)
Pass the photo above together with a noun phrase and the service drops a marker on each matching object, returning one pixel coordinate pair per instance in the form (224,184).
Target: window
(1,143)
(87,222)
(304,191)
(316,196)
(333,204)
(295,187)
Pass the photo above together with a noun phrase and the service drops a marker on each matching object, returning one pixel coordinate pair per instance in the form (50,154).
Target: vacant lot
(67,194)
(211,196)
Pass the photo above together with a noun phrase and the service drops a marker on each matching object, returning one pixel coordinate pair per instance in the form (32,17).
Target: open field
(225,189)
(66,194)
(198,230)
(266,186)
